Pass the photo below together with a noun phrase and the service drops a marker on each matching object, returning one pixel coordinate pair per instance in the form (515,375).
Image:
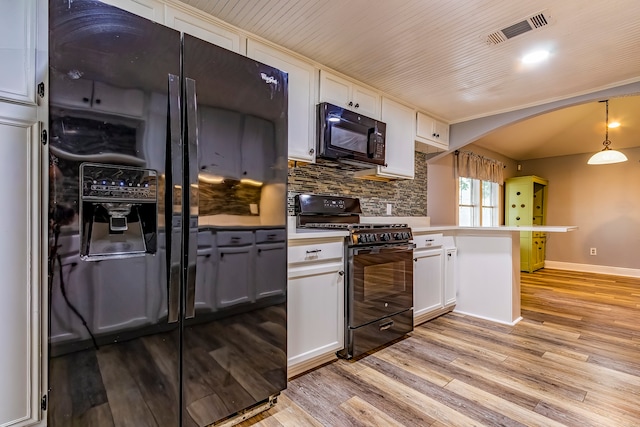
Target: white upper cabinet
(18,50)
(150,9)
(203,29)
(431,131)
(302,98)
(399,144)
(349,95)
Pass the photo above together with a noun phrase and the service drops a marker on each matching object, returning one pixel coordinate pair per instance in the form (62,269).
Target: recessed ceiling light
(534,57)
(614,125)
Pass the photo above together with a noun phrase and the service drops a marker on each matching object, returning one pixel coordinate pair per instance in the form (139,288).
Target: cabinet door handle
(341,273)
(312,151)
(350,104)
(415,259)
(357,105)
(314,251)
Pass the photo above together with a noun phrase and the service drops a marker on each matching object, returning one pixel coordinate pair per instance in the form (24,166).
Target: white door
(315,312)
(427,282)
(20,305)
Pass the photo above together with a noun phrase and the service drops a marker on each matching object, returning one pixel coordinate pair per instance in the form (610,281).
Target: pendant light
(607,155)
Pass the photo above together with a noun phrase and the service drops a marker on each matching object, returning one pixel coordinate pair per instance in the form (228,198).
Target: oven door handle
(383,249)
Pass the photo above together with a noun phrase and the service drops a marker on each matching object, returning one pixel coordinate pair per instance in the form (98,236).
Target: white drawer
(428,240)
(315,252)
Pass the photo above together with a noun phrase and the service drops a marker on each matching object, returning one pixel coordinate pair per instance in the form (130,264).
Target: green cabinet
(526,204)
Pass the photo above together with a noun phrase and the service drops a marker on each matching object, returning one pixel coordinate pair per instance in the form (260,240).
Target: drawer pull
(314,251)
(386,326)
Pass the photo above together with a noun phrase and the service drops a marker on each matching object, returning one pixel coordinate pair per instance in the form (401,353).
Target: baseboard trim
(491,319)
(307,365)
(591,268)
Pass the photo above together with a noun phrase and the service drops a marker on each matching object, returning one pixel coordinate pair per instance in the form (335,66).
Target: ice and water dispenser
(118,210)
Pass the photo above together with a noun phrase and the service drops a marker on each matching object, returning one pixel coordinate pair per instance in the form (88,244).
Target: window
(477,203)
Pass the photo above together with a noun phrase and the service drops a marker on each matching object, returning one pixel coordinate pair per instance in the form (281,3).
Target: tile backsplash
(408,197)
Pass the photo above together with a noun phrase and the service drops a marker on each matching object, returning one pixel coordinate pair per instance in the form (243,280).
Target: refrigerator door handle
(192,146)
(173,208)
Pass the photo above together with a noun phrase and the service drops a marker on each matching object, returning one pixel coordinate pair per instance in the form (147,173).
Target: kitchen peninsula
(488,263)
(488,268)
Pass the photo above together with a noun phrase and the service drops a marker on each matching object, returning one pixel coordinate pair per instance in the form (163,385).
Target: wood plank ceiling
(435,55)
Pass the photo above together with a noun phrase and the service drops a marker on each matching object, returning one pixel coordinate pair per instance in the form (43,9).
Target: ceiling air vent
(533,22)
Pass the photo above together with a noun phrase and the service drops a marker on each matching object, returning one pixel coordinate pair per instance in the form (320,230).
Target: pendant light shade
(607,155)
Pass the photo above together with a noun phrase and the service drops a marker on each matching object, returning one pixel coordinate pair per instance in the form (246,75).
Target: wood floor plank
(367,414)
(294,416)
(513,411)
(417,400)
(394,355)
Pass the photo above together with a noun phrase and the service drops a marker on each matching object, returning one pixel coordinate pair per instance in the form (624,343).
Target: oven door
(380,282)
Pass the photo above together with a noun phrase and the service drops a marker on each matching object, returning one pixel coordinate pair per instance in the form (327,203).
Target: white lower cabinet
(315,306)
(427,283)
(434,276)
(21,264)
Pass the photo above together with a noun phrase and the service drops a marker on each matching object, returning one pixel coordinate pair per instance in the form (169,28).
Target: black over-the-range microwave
(346,135)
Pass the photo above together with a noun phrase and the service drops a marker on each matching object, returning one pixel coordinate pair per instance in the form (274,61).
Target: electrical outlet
(592,251)
(388,208)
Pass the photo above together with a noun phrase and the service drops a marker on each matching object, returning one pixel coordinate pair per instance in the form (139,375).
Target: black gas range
(379,271)
(331,212)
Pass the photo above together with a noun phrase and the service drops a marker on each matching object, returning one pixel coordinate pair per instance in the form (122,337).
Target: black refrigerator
(167,219)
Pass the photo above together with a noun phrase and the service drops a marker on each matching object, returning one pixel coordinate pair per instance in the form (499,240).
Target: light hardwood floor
(574,360)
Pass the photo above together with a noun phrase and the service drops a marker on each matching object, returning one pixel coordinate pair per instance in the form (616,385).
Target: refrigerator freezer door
(114,356)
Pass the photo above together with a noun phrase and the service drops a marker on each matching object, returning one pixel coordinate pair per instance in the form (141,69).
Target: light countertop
(419,225)
(542,228)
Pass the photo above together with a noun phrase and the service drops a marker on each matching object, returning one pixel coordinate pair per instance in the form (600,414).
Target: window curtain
(475,166)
